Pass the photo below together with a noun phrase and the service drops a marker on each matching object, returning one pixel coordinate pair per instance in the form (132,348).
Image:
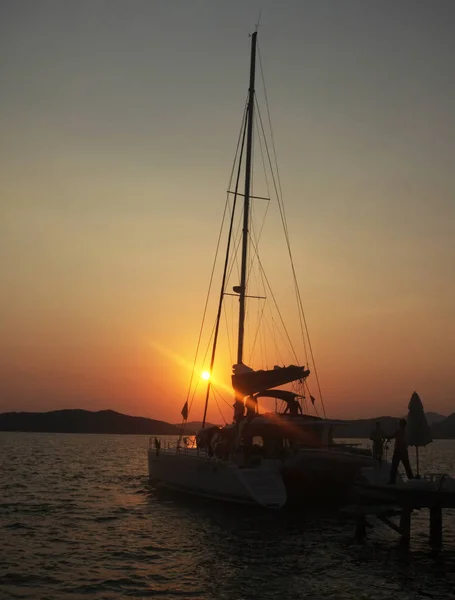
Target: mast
(246,203)
(225,272)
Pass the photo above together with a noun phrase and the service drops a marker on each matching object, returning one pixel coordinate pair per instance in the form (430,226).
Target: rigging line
(205,308)
(275,303)
(262,152)
(237,237)
(222,397)
(214,262)
(272,137)
(225,270)
(237,241)
(203,362)
(234,259)
(260,328)
(259,20)
(227,332)
(257,237)
(238,142)
(257,331)
(280,202)
(253,274)
(219,409)
(273,336)
(255,240)
(239,166)
(263,337)
(279,198)
(304,325)
(309,393)
(272,328)
(251,209)
(227,205)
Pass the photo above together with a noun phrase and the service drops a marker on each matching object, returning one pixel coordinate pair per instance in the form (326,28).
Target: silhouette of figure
(378,437)
(239,411)
(157,446)
(400,452)
(293,407)
(251,407)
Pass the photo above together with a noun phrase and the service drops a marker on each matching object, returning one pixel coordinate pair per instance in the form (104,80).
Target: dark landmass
(444,429)
(84,421)
(193,427)
(362,428)
(109,421)
(441,427)
(434,418)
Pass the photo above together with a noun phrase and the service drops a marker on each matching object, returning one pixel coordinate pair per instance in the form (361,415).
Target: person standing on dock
(378,437)
(400,452)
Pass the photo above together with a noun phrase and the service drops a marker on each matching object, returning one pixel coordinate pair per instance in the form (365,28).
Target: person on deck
(293,407)
(378,437)
(239,411)
(251,407)
(400,452)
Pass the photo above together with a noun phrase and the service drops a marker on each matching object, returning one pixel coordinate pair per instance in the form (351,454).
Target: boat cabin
(271,435)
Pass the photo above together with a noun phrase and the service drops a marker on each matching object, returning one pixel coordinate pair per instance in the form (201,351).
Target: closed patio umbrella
(418,432)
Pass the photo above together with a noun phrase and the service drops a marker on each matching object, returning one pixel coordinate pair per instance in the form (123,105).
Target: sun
(205,375)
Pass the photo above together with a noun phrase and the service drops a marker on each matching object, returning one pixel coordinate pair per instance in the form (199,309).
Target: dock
(376,499)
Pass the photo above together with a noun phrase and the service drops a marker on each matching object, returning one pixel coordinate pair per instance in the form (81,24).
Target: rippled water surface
(78,519)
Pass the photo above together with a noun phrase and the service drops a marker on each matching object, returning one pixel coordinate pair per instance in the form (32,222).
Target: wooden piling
(436,528)
(405,525)
(400,501)
(360,528)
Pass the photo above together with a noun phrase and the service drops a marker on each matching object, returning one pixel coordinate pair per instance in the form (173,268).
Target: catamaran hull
(210,478)
(323,476)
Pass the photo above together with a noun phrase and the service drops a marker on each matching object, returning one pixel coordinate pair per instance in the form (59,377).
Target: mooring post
(360,528)
(436,528)
(405,525)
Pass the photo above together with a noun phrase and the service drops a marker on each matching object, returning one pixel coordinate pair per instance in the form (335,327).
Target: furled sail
(246,381)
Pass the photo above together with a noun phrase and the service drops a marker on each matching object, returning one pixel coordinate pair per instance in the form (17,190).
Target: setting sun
(205,375)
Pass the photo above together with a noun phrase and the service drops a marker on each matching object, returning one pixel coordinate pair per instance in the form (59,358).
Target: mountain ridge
(110,421)
(78,420)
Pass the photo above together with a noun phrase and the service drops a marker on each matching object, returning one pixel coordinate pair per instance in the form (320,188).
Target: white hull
(270,485)
(221,480)
(318,458)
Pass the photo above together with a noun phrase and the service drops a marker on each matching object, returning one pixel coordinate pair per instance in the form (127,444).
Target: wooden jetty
(434,492)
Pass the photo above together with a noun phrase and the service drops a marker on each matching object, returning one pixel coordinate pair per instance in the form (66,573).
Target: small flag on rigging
(313,399)
(184,412)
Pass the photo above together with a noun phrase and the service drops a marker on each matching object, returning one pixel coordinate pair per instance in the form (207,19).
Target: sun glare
(205,375)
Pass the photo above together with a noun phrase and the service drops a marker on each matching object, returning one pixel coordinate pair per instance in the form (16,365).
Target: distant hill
(441,427)
(110,421)
(193,426)
(444,429)
(83,421)
(434,418)
(362,428)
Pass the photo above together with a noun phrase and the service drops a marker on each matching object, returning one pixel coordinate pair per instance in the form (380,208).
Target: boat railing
(187,445)
(443,481)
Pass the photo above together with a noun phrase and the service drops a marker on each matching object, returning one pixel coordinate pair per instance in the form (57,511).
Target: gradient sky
(118,124)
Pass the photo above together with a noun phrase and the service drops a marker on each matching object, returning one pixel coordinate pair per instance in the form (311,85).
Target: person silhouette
(400,452)
(378,437)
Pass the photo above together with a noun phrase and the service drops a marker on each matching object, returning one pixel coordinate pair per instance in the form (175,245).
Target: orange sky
(116,147)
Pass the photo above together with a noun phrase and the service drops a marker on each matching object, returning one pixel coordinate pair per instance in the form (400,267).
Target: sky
(119,121)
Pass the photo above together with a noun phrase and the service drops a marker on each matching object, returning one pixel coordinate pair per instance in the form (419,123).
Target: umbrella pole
(417,460)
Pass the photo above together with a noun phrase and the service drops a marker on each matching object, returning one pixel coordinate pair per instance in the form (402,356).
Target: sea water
(79,520)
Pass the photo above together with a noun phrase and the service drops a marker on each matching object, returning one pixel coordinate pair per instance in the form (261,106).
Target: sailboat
(264,459)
